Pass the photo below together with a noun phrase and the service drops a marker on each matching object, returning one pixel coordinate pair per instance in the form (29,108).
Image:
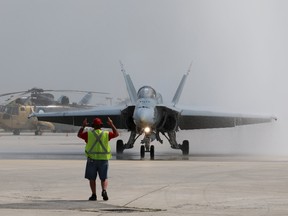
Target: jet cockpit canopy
(146,92)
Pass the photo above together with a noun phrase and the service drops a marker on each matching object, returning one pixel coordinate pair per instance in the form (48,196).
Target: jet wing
(193,119)
(76,117)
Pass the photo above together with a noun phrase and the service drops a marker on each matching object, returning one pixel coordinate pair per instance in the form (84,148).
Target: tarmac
(44,175)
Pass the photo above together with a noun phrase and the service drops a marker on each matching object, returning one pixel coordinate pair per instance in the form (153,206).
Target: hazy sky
(239,49)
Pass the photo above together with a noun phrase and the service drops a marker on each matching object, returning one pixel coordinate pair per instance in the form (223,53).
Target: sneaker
(104,195)
(93,197)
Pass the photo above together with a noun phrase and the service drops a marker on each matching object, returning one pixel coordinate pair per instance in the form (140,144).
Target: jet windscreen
(146,92)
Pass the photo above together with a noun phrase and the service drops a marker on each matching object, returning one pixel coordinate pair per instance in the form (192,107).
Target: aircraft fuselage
(145,114)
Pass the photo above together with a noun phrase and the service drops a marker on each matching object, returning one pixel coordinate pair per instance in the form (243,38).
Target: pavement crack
(146,194)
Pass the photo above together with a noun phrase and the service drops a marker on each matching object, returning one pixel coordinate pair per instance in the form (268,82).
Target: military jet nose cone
(144,117)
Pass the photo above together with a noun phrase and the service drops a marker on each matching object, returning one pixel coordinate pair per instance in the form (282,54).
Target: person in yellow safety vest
(98,152)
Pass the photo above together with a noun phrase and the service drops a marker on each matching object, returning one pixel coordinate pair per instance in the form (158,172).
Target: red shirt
(84,135)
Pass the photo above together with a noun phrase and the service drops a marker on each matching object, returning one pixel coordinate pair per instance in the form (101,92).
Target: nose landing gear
(145,148)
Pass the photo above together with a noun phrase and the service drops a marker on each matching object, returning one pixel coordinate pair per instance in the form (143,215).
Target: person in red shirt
(97,162)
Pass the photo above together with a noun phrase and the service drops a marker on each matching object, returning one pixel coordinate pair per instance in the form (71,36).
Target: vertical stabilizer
(86,99)
(180,87)
(129,84)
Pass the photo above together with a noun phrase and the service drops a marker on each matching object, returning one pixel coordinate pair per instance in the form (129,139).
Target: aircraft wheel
(16,132)
(185,147)
(38,132)
(152,150)
(119,147)
(142,151)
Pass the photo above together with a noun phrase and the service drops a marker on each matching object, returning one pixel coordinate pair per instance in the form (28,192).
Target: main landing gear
(16,132)
(147,147)
(144,148)
(38,132)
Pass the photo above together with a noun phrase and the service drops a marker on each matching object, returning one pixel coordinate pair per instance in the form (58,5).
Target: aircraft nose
(144,117)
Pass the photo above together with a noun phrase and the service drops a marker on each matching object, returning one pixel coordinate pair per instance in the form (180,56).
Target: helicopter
(15,110)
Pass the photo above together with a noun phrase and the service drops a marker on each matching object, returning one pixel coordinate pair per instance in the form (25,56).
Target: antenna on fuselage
(129,85)
(180,87)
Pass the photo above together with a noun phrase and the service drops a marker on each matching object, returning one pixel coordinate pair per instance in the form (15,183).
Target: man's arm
(114,129)
(81,134)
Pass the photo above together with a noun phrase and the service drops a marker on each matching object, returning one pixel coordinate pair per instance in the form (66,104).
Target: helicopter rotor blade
(39,90)
(12,93)
(79,91)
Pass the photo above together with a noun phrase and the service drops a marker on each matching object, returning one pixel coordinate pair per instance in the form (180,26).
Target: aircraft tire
(152,151)
(38,132)
(16,132)
(185,147)
(142,151)
(119,147)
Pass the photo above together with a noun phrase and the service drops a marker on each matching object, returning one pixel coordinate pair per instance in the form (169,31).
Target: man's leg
(104,184)
(91,175)
(92,184)
(103,174)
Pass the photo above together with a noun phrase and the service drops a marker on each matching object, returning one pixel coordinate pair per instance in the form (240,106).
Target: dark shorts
(94,167)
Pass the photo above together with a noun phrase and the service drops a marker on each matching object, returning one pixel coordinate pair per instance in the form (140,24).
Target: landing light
(147,129)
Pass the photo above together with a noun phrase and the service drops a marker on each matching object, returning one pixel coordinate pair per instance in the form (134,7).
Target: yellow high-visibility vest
(97,147)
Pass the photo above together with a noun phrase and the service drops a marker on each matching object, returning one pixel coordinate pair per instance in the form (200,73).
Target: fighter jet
(149,117)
